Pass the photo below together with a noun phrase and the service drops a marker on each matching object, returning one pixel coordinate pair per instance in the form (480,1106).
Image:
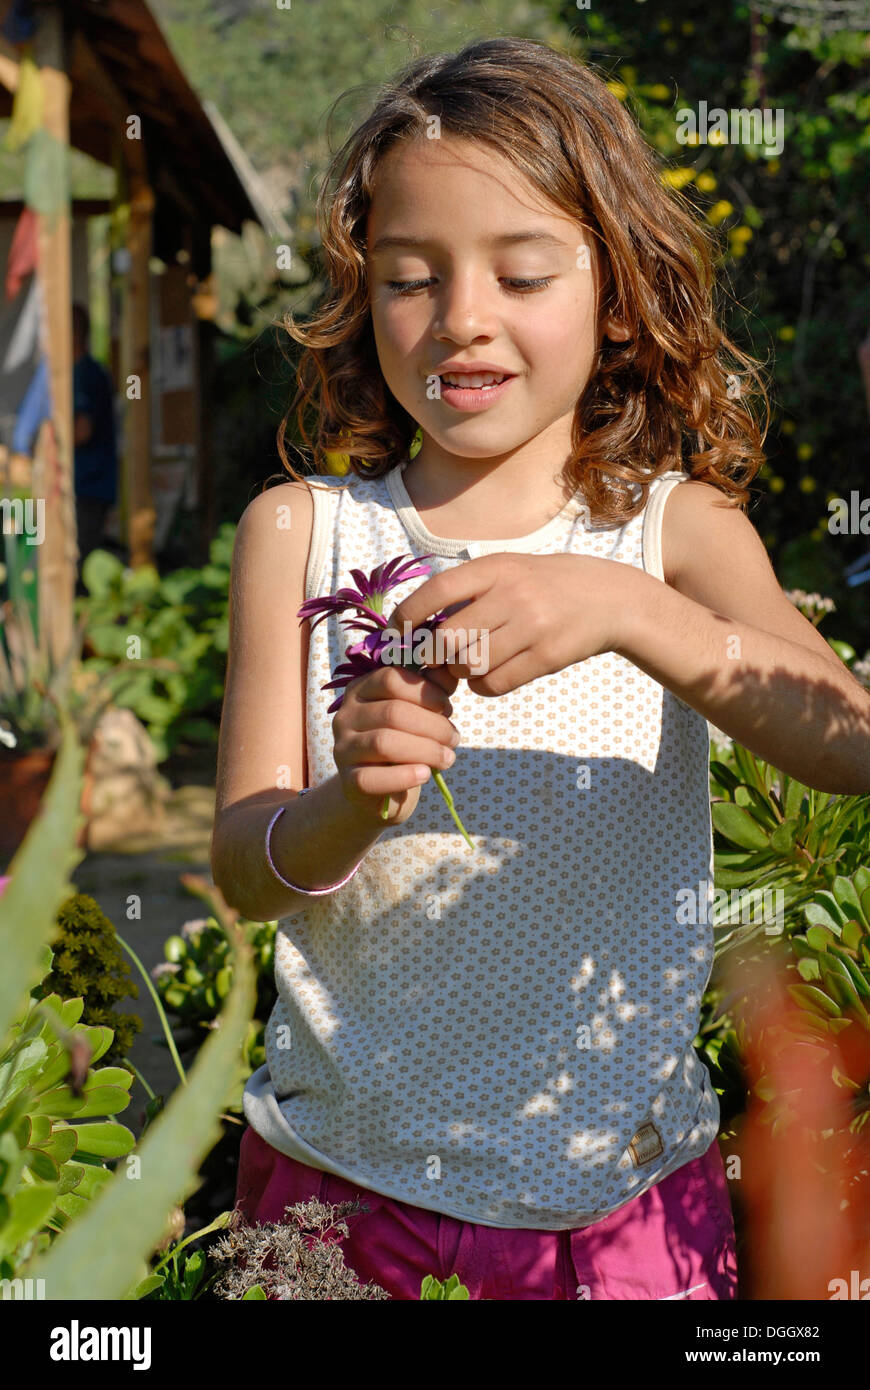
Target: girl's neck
(471,501)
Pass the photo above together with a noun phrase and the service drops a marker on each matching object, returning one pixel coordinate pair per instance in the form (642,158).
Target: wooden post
(137,502)
(53,476)
(136,377)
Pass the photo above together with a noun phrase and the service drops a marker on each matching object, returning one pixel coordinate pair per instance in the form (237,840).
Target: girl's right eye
(405,286)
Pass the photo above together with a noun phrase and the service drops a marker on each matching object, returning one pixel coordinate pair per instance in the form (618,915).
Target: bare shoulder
(696,513)
(712,553)
(284,508)
(273,537)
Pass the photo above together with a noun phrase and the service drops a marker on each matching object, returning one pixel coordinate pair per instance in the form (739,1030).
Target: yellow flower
(705,182)
(773,166)
(777,484)
(618,89)
(337,462)
(788,427)
(741,233)
(678,178)
(719,211)
(786,333)
(805,451)
(807,484)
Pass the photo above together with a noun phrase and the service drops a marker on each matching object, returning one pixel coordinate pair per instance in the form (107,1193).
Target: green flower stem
(219,1223)
(139,1077)
(158,1006)
(445,792)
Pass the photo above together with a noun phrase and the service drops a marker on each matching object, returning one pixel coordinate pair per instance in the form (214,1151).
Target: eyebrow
(390,243)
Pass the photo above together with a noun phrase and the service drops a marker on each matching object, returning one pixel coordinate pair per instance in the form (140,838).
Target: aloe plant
(433,1289)
(52,1149)
(772,832)
(107,1235)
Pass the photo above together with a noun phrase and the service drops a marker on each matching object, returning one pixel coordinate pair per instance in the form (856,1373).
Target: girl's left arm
(721,635)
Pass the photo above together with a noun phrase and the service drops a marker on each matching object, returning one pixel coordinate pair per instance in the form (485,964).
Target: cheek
(394,333)
(562,345)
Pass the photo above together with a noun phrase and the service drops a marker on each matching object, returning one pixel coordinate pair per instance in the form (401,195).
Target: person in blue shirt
(94,438)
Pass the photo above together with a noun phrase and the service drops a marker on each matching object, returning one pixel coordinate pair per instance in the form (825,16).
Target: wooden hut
(109,86)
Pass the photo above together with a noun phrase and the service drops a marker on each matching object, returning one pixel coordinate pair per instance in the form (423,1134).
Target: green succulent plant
(53,1148)
(65,1218)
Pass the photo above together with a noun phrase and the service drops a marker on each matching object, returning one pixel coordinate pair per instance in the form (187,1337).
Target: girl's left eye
(516,286)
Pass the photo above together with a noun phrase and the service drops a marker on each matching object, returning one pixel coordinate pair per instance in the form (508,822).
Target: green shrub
(179,623)
(773,835)
(197,974)
(88,964)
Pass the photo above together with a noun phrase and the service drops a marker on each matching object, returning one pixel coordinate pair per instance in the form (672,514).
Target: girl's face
(469,267)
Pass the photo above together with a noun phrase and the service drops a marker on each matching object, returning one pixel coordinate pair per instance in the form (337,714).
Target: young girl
(494,1049)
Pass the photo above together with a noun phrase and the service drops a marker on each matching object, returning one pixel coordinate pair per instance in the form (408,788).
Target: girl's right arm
(387,721)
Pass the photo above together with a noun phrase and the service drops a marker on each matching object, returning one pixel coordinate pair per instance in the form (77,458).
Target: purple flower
(367,601)
(368,597)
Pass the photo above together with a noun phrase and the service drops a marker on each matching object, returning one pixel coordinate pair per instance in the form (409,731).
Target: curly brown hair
(677,394)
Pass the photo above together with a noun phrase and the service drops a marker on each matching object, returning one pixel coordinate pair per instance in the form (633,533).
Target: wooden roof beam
(85,67)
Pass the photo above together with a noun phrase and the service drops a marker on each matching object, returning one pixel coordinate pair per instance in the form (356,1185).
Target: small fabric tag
(646,1145)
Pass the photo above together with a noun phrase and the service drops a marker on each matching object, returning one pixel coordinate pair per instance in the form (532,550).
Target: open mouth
(478,381)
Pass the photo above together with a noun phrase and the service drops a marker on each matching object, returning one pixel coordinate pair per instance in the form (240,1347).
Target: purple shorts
(674,1241)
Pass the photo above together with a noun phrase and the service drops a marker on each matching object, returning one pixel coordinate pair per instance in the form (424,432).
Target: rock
(125,794)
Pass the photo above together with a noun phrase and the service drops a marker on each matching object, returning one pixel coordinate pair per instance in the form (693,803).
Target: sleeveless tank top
(505,1037)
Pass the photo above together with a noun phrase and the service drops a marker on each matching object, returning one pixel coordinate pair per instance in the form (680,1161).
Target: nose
(465,309)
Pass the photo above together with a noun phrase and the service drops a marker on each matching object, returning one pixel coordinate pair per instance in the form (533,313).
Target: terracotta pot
(23,780)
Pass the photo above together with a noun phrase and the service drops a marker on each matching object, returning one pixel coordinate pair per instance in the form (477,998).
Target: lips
(474,381)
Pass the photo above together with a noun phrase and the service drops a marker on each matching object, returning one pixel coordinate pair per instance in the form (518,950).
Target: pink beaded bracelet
(308,892)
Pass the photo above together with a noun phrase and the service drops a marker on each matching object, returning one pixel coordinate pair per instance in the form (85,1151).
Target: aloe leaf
(816,999)
(751,796)
(852,935)
(738,826)
(99,1256)
(783,838)
(146,1286)
(724,776)
(109,1076)
(61,1145)
(42,1165)
(103,1100)
(28,1211)
(105,1140)
(39,880)
(825,910)
(794,795)
(859,979)
(847,898)
(22,1067)
(820,937)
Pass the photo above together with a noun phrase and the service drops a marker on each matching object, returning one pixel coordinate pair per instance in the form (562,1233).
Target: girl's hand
(392,723)
(522,616)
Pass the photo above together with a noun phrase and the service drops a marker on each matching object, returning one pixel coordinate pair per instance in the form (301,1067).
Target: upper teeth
(467,379)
